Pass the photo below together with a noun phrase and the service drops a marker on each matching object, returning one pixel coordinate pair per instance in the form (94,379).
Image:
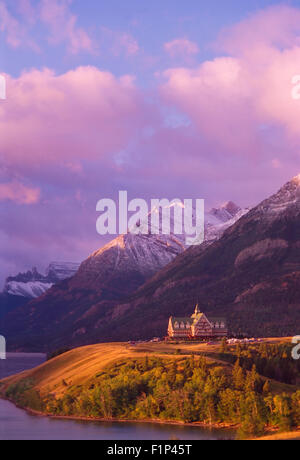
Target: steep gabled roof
(192,320)
(185,320)
(214,319)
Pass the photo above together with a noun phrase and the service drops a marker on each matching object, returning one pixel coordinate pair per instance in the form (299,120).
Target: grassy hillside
(165,382)
(79,365)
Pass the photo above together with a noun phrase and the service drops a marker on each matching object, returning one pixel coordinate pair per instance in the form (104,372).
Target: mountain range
(32,284)
(247,269)
(20,289)
(65,312)
(251,276)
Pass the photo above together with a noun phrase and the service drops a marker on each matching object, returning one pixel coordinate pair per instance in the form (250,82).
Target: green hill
(162,382)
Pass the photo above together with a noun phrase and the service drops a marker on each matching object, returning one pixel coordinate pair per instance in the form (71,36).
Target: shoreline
(37,380)
(270,433)
(214,426)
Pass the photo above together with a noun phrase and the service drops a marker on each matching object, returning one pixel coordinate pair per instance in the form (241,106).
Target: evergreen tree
(223,347)
(146,364)
(238,350)
(283,411)
(266,387)
(238,376)
(172,374)
(252,380)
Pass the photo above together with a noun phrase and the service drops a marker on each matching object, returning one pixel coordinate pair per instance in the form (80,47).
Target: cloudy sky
(172,99)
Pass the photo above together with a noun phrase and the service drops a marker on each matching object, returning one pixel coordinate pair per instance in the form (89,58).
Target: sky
(173,99)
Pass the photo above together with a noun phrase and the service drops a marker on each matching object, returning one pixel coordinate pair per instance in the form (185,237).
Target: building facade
(198,326)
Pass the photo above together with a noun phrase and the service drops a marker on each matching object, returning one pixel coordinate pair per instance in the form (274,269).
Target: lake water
(17,424)
(19,362)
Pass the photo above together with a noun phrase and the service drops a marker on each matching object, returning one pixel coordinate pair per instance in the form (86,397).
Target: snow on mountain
(251,276)
(32,284)
(142,255)
(216,221)
(224,213)
(125,263)
(139,254)
(287,198)
(31,289)
(86,301)
(61,270)
(214,229)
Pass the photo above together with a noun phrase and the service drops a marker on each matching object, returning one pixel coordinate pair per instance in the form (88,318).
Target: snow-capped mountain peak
(217,220)
(287,198)
(61,270)
(32,284)
(225,212)
(146,253)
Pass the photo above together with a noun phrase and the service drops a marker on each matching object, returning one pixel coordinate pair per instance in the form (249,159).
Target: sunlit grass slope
(177,382)
(79,365)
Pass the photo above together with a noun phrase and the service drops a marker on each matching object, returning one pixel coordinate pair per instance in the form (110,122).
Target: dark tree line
(181,389)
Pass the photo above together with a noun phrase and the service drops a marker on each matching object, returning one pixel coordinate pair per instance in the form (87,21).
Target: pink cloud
(276,26)
(57,17)
(63,26)
(86,134)
(62,119)
(233,100)
(10,26)
(181,47)
(19,193)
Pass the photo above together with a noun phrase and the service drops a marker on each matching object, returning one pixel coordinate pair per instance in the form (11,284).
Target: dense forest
(185,389)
